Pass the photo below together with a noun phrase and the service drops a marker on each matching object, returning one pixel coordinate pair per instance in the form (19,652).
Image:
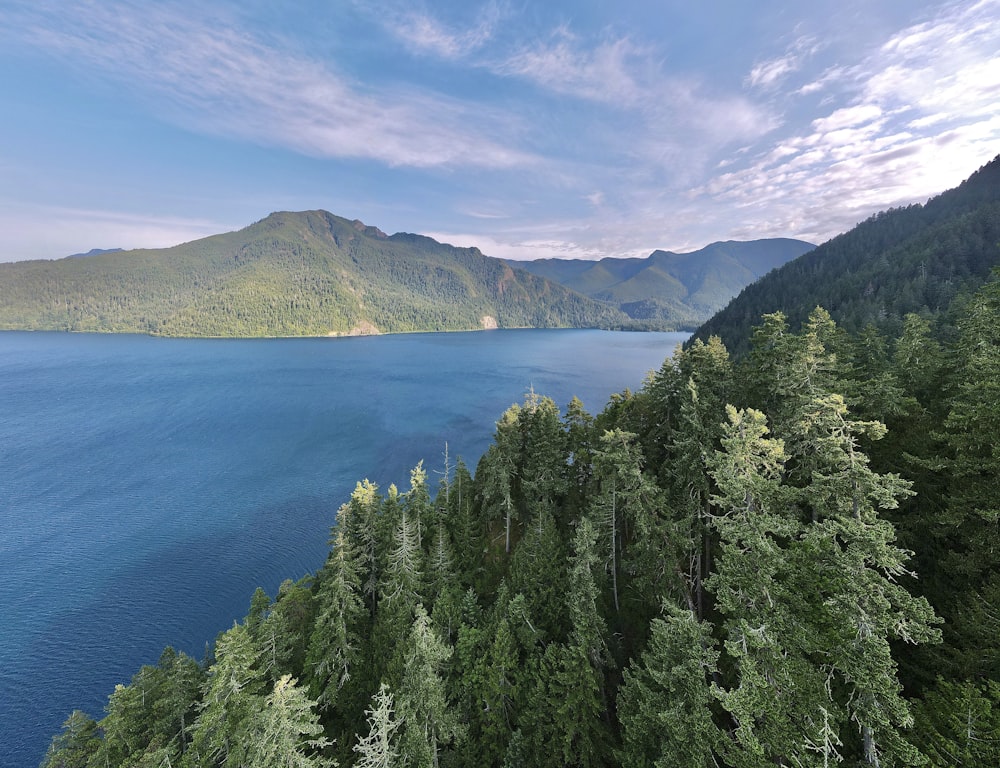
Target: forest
(917,259)
(291,274)
(785,558)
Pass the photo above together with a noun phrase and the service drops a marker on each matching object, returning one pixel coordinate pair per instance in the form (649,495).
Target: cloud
(914,117)
(769,74)
(217,78)
(424,33)
(602,73)
(53,232)
(515,248)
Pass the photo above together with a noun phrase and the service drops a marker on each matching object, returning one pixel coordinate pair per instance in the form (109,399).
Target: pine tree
(286,733)
(665,702)
(429,722)
(334,645)
(379,748)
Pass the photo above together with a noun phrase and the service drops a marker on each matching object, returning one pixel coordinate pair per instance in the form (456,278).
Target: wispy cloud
(603,72)
(217,78)
(424,33)
(885,145)
(770,73)
(52,232)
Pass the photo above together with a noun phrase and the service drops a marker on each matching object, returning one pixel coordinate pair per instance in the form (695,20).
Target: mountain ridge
(308,273)
(919,258)
(682,289)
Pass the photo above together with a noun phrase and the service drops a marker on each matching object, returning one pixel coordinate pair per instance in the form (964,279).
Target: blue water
(147,486)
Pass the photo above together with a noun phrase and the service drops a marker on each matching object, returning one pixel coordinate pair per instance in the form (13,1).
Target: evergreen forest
(918,259)
(679,290)
(291,274)
(785,558)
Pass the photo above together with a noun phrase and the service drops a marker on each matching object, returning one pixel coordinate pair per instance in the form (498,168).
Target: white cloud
(216,78)
(769,74)
(517,249)
(50,232)
(882,144)
(423,33)
(602,73)
(847,118)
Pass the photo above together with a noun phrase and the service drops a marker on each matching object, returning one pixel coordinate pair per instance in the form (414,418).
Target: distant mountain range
(94,252)
(918,259)
(679,290)
(317,274)
(290,274)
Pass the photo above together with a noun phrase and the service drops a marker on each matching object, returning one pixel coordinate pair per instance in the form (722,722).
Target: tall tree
(379,748)
(233,698)
(334,645)
(429,721)
(666,699)
(74,745)
(286,733)
(625,503)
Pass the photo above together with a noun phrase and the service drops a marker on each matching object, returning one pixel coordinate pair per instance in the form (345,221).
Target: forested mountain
(789,560)
(918,259)
(291,274)
(676,290)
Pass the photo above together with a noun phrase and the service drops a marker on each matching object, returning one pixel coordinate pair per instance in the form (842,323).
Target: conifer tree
(365,529)
(379,748)
(969,526)
(334,645)
(665,702)
(284,634)
(74,745)
(958,724)
(625,505)
(577,679)
(538,573)
(233,698)
(286,733)
(496,473)
(429,721)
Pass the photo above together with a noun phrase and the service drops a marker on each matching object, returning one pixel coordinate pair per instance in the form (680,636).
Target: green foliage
(291,274)
(913,260)
(287,733)
(512,620)
(666,702)
(958,724)
(672,291)
(74,746)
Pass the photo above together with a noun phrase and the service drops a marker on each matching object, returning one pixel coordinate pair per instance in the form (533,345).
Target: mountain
(290,274)
(917,259)
(679,290)
(94,252)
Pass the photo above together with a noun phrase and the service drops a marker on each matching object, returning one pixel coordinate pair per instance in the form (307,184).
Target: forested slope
(291,274)
(677,290)
(915,259)
(736,566)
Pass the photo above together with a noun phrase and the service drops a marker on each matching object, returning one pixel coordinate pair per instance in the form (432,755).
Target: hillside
(679,290)
(675,582)
(918,259)
(290,274)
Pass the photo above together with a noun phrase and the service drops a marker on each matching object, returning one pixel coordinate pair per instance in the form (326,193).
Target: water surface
(148,485)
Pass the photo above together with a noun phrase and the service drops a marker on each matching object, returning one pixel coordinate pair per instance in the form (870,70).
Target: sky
(555,128)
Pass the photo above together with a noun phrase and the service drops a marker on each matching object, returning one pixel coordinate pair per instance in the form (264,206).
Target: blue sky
(531,129)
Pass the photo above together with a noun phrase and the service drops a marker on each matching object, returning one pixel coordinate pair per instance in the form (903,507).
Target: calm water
(147,486)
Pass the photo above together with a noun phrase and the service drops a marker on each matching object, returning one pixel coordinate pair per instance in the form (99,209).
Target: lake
(148,485)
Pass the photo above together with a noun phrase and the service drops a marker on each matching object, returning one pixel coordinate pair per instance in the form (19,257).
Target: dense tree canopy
(739,565)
